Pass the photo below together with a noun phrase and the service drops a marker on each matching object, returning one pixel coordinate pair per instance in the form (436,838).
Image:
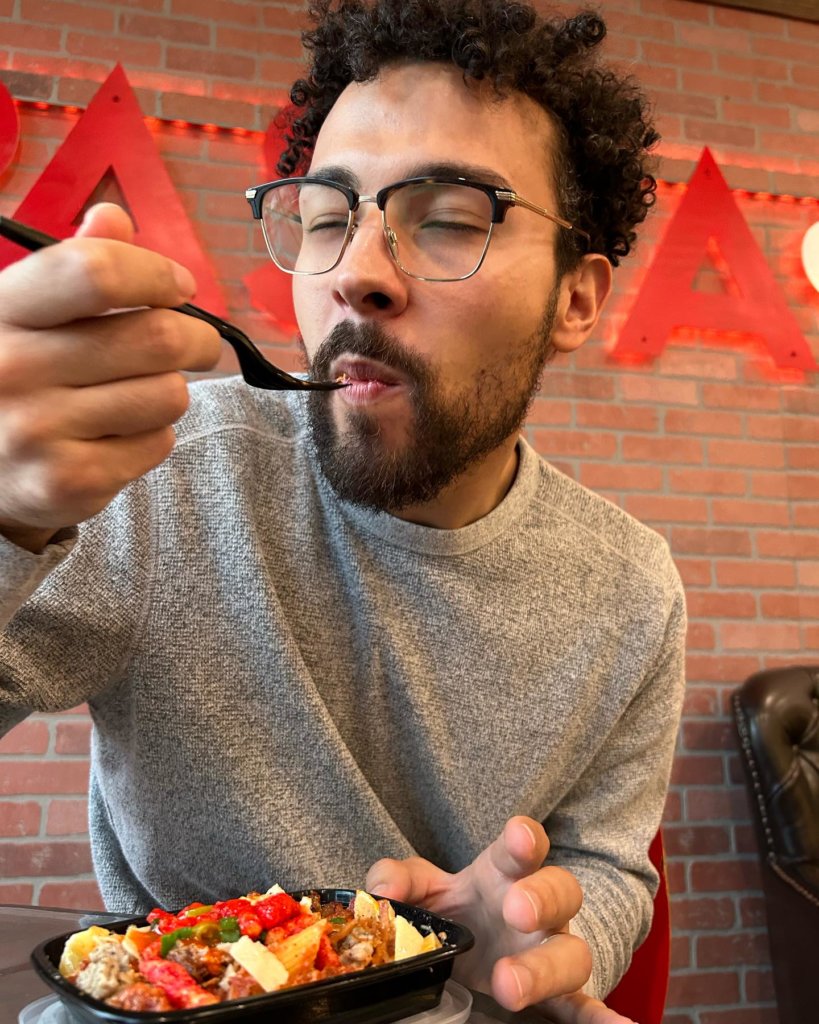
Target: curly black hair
(602,119)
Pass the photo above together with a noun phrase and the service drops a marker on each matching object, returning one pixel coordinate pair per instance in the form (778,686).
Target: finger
(106,220)
(84,277)
(560,964)
(578,1008)
(413,880)
(547,900)
(118,409)
(519,850)
(107,348)
(80,478)
(110,463)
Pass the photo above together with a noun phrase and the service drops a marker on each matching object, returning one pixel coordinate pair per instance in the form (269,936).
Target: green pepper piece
(199,910)
(170,939)
(338,920)
(229,929)
(208,932)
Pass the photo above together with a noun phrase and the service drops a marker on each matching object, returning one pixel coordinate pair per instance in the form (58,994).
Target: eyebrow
(473,172)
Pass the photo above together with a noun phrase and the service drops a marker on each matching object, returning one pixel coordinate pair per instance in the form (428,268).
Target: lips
(367,380)
(357,370)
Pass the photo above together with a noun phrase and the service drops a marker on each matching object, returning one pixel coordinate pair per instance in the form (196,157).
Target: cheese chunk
(408,940)
(364,905)
(262,965)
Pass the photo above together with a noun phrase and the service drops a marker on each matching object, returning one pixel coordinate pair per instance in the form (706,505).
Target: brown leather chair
(777,718)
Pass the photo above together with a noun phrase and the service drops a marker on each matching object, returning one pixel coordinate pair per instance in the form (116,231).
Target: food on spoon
(212,953)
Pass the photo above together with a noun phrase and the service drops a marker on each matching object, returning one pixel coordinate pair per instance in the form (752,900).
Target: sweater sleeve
(22,571)
(70,615)
(602,830)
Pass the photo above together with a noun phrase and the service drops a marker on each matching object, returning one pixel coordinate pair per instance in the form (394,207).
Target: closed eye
(326,225)
(453,225)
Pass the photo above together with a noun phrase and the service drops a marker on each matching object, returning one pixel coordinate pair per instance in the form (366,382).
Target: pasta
(212,953)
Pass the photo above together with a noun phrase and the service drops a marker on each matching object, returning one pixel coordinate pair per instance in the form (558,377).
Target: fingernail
(523,980)
(184,279)
(531,834)
(535,905)
(379,889)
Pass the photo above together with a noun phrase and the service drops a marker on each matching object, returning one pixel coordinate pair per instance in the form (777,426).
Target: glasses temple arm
(516,200)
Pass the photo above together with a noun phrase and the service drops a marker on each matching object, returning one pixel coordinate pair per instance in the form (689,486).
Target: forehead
(414,114)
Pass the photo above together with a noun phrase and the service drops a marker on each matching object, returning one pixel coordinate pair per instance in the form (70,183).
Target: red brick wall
(707,444)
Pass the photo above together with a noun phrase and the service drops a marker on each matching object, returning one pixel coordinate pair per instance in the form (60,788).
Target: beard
(450,431)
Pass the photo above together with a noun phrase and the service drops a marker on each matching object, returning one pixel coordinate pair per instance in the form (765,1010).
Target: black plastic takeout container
(375,995)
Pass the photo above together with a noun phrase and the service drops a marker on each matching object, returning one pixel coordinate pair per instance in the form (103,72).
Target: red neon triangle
(270,289)
(111,138)
(9,128)
(667,300)
(271,292)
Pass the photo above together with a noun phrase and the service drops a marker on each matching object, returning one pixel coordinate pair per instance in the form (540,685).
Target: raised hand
(90,381)
(519,911)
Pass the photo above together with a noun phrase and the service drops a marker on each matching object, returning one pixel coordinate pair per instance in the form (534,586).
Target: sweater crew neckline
(434,541)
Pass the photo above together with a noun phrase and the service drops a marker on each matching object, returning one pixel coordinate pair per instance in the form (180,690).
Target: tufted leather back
(777,718)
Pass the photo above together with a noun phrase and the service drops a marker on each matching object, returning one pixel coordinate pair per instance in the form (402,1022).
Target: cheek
(307,300)
(497,319)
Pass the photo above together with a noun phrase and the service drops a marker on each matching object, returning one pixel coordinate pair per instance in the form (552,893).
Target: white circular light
(810,254)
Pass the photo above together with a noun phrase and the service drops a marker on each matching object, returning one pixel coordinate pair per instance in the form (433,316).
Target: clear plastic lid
(454,1008)
(48,1010)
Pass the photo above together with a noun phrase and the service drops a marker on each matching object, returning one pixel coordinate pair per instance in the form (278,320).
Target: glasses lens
(439,231)
(305,226)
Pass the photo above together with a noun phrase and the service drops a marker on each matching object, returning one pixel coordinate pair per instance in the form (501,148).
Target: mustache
(370,341)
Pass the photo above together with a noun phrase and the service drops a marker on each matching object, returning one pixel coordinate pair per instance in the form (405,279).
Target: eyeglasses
(436,229)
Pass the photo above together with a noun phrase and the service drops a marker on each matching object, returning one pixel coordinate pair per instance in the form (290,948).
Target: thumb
(106,220)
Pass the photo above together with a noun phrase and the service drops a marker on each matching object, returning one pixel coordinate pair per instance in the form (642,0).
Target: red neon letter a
(666,300)
(111,138)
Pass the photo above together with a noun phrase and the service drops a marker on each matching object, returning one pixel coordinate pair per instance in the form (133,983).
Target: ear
(582,293)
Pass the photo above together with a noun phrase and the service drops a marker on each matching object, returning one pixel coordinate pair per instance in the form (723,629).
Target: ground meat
(356,950)
(200,961)
(108,968)
(238,984)
(140,996)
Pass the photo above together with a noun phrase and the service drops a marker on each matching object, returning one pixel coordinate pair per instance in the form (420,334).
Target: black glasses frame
(501,200)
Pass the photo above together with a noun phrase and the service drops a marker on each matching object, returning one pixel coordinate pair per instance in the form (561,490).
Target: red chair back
(642,990)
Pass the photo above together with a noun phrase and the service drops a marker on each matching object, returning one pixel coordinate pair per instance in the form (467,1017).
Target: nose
(367,280)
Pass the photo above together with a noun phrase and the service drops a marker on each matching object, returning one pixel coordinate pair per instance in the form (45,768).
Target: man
(363,633)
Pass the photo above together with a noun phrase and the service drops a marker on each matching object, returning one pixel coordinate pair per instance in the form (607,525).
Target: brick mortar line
(245,131)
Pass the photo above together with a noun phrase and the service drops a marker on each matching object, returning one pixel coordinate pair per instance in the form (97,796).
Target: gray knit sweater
(285,688)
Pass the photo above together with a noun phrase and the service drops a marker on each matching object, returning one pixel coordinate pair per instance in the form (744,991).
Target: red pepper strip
(163,922)
(161,919)
(274,910)
(283,931)
(326,956)
(182,991)
(231,908)
(249,923)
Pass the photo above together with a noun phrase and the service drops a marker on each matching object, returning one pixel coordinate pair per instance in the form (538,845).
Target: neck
(472,495)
